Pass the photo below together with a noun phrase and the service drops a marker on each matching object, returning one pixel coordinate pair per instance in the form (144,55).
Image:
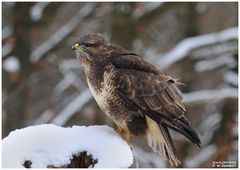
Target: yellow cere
(76,45)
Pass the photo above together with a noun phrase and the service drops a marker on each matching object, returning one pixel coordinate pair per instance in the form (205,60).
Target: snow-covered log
(51,146)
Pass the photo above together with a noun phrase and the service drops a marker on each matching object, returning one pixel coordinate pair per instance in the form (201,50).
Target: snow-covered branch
(211,64)
(69,64)
(65,30)
(231,78)
(204,155)
(37,10)
(74,106)
(7,31)
(49,145)
(151,11)
(70,78)
(149,7)
(211,122)
(210,95)
(226,48)
(44,117)
(189,44)
(6,49)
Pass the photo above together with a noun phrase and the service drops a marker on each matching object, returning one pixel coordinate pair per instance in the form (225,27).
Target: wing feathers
(153,102)
(184,129)
(155,95)
(133,61)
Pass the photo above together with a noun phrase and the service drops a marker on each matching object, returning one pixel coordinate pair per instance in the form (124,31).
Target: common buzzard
(139,98)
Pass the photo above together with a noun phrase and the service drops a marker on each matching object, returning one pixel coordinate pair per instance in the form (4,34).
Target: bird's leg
(124,134)
(119,130)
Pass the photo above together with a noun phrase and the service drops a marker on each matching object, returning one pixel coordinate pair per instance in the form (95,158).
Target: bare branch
(62,32)
(189,44)
(72,108)
(210,95)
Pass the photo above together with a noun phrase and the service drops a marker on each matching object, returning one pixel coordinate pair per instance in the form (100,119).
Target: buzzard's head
(93,48)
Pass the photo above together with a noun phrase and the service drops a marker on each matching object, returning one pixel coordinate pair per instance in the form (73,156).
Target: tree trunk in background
(190,25)
(123,25)
(17,89)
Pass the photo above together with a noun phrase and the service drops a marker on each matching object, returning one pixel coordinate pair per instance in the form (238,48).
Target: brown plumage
(139,98)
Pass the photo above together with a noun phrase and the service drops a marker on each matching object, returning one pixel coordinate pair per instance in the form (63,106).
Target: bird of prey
(139,98)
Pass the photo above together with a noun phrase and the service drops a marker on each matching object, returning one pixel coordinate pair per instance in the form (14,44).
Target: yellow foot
(118,130)
(125,134)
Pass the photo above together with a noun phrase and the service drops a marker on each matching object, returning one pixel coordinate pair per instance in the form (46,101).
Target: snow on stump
(51,146)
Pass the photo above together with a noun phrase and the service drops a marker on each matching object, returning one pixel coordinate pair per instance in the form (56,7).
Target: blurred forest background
(42,81)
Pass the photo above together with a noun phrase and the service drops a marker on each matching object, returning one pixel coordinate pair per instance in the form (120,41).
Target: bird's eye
(87,45)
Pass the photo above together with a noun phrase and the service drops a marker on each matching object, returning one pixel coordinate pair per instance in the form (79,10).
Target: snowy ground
(49,144)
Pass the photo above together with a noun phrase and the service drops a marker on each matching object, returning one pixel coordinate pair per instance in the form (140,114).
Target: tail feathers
(160,141)
(183,127)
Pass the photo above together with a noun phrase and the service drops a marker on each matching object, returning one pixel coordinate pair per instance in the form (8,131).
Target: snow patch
(11,64)
(49,144)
